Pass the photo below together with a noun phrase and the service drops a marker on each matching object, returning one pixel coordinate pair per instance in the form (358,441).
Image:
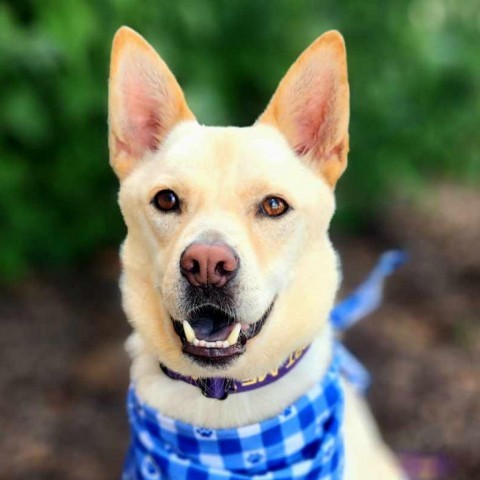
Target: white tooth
(189,333)
(219,343)
(211,344)
(196,342)
(233,337)
(225,344)
(202,343)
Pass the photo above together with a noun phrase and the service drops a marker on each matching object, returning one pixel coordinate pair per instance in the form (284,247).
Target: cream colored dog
(229,227)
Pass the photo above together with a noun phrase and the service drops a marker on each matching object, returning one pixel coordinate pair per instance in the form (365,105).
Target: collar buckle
(217,388)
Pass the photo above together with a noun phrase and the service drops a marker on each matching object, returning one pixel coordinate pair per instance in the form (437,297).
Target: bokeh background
(412,183)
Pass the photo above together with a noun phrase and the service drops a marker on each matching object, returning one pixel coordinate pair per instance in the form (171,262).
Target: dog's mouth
(213,337)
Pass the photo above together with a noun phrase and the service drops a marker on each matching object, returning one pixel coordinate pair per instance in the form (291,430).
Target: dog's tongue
(206,328)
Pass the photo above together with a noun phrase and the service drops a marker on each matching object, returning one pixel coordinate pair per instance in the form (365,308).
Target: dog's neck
(184,402)
(220,388)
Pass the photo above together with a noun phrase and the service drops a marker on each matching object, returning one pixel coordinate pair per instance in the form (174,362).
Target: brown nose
(207,264)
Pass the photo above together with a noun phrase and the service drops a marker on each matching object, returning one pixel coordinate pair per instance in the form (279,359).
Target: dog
(229,274)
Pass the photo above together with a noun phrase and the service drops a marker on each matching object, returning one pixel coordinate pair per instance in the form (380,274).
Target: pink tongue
(220,334)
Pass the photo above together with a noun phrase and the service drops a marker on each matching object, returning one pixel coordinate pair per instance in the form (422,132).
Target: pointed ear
(311,106)
(145,101)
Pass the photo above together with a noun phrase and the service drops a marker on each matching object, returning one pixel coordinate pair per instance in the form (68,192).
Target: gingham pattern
(303,442)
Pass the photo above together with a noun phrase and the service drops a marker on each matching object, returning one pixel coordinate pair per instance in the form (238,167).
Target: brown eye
(166,201)
(273,206)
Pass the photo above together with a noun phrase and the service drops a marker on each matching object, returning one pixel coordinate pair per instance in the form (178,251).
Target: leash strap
(363,301)
(368,296)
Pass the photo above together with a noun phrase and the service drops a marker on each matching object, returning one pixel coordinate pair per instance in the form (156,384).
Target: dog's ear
(145,101)
(311,106)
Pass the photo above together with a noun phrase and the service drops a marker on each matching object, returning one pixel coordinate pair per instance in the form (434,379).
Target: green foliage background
(414,69)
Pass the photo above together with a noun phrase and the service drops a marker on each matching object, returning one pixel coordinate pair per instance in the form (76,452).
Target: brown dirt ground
(64,374)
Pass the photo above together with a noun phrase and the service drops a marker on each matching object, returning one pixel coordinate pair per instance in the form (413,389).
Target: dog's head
(227,261)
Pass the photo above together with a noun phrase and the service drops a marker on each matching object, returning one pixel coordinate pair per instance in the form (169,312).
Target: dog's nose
(208,264)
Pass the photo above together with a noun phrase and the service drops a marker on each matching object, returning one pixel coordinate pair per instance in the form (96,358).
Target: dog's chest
(303,442)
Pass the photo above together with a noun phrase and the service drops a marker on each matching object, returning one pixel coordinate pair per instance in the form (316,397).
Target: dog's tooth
(219,343)
(211,344)
(202,343)
(225,344)
(189,332)
(233,337)
(196,342)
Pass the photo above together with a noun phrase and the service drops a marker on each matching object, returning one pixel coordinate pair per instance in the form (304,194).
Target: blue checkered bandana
(303,442)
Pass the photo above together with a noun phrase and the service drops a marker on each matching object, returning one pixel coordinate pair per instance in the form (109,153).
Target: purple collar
(219,387)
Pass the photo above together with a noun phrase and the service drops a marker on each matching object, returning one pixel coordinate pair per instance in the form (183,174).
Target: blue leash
(363,301)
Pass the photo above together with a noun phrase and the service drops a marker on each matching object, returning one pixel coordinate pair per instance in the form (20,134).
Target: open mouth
(212,336)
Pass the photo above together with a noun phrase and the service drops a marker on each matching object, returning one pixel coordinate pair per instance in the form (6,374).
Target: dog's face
(227,261)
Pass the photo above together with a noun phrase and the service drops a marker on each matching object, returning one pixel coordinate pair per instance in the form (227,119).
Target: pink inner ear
(145,128)
(142,110)
(314,113)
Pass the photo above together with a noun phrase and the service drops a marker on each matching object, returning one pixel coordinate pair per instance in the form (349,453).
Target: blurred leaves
(414,73)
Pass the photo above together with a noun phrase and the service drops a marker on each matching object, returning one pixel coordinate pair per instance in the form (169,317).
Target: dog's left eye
(273,206)
(166,201)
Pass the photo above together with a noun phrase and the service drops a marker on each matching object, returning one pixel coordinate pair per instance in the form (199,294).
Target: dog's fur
(296,150)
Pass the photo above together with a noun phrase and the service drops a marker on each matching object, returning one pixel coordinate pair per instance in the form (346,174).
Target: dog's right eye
(166,201)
